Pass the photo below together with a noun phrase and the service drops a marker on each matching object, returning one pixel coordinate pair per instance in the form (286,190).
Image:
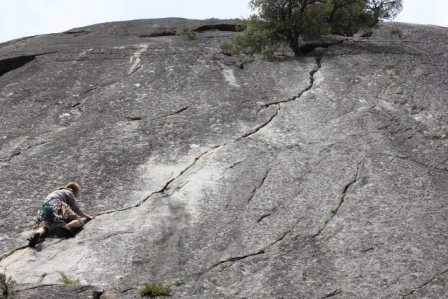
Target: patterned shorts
(60,214)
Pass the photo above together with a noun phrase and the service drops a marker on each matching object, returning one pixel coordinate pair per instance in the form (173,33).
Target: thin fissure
(341,200)
(252,195)
(425,284)
(259,252)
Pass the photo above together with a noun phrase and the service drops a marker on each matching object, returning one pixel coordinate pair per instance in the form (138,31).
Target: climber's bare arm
(83,214)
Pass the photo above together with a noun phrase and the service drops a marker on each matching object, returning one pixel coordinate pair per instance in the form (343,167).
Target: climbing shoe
(33,240)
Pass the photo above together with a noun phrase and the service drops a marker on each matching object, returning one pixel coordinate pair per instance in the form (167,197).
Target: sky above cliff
(22,18)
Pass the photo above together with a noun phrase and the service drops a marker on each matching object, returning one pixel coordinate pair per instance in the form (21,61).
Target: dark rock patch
(9,64)
(166,32)
(218,27)
(77,32)
(55,291)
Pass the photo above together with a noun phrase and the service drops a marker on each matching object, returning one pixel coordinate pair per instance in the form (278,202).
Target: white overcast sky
(22,18)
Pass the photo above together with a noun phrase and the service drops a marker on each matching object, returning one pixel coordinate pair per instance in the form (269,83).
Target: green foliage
(382,10)
(7,284)
(389,67)
(65,279)
(396,31)
(225,266)
(188,33)
(229,48)
(277,22)
(155,289)
(179,282)
(347,18)
(254,36)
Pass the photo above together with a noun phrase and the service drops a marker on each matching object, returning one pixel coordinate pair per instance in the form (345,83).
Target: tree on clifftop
(383,10)
(292,21)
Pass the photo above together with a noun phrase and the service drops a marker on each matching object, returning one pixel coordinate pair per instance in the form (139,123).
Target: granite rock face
(323,176)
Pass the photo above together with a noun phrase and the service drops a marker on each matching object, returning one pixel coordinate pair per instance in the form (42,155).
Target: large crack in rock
(287,232)
(209,173)
(310,85)
(167,185)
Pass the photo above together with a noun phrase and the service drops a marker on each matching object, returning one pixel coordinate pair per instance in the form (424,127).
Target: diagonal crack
(12,252)
(260,184)
(209,151)
(174,113)
(196,159)
(246,135)
(136,65)
(252,132)
(286,233)
(332,294)
(307,88)
(417,162)
(259,252)
(263,216)
(233,259)
(435,276)
(341,199)
(213,148)
(166,187)
(134,118)
(18,153)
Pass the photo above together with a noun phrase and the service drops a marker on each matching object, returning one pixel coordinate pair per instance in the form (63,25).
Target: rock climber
(60,214)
